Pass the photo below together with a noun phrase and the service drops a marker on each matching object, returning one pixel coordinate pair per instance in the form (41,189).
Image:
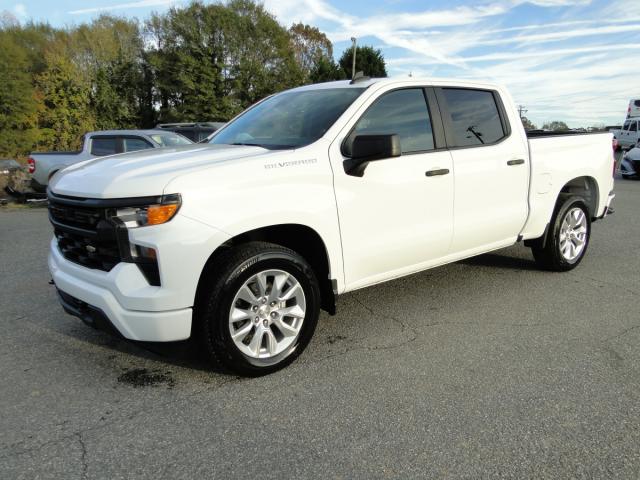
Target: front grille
(86,235)
(87,252)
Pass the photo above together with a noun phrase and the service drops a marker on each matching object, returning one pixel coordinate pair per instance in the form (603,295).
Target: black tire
(217,293)
(549,256)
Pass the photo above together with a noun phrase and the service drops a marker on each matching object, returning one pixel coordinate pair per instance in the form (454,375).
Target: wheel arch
(586,187)
(298,237)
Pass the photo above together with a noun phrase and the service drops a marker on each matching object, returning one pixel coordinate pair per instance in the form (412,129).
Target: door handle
(436,172)
(518,161)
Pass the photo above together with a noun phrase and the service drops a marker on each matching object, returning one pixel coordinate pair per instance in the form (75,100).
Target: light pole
(353,60)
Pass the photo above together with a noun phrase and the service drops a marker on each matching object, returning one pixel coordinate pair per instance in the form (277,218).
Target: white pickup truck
(629,135)
(311,193)
(44,165)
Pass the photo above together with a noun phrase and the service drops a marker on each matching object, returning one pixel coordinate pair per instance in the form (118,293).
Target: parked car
(634,109)
(197,132)
(43,165)
(630,164)
(309,194)
(628,136)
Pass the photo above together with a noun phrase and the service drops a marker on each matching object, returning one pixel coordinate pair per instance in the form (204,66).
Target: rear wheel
(259,310)
(568,237)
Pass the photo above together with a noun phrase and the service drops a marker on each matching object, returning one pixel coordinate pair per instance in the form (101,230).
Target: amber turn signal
(158,214)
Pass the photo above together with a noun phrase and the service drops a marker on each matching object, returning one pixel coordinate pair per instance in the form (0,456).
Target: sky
(571,60)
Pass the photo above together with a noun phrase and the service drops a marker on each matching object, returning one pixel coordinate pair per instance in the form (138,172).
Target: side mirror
(368,148)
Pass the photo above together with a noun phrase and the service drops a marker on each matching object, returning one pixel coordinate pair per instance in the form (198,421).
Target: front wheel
(259,309)
(568,237)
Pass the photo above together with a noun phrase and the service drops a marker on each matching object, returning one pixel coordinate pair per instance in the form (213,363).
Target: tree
(209,62)
(66,114)
(555,126)
(528,124)
(326,70)
(369,61)
(109,52)
(18,101)
(312,49)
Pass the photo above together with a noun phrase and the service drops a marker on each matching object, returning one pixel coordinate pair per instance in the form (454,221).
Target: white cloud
(579,82)
(20,10)
(125,6)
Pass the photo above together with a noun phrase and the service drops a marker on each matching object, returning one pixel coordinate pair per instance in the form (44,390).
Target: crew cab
(313,192)
(43,165)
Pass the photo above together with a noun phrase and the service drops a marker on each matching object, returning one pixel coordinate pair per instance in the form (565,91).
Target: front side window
(402,112)
(475,119)
(626,125)
(290,119)
(101,146)
(135,144)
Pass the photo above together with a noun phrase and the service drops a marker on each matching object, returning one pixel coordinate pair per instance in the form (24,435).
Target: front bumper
(91,301)
(140,311)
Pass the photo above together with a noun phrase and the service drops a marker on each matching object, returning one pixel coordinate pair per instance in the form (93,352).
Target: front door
(396,216)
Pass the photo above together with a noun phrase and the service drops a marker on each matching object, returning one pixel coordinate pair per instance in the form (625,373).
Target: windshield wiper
(268,146)
(248,144)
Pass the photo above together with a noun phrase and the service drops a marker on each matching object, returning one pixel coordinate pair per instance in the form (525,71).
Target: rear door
(491,165)
(633,133)
(624,134)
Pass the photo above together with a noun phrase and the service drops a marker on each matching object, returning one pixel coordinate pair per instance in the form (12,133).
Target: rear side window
(401,112)
(475,118)
(135,144)
(636,103)
(633,127)
(103,146)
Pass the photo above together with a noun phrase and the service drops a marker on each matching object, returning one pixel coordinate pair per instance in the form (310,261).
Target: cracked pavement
(483,368)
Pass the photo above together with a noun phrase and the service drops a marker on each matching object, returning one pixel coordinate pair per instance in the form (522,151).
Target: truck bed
(540,133)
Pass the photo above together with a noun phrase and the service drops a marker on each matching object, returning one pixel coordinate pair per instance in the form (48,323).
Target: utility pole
(353,61)
(522,111)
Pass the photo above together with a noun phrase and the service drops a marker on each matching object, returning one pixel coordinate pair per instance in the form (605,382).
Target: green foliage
(555,126)
(212,61)
(313,52)
(200,62)
(18,103)
(66,114)
(326,70)
(109,52)
(369,61)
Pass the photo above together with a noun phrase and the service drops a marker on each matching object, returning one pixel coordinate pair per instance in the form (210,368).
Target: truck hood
(147,172)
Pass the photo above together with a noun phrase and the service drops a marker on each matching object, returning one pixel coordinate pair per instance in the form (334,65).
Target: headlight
(155,214)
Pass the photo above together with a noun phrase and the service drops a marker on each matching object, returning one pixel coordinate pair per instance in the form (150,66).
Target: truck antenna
(353,60)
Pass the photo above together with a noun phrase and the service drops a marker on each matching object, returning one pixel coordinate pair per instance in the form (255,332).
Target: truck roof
(155,131)
(367,82)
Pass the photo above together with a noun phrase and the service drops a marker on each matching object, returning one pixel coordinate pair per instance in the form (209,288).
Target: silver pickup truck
(43,165)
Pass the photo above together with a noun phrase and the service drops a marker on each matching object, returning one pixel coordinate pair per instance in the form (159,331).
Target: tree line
(197,63)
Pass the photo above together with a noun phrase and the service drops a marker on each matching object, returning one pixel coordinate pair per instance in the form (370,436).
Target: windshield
(170,139)
(289,120)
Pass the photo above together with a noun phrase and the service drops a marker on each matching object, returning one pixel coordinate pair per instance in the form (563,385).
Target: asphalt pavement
(486,368)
